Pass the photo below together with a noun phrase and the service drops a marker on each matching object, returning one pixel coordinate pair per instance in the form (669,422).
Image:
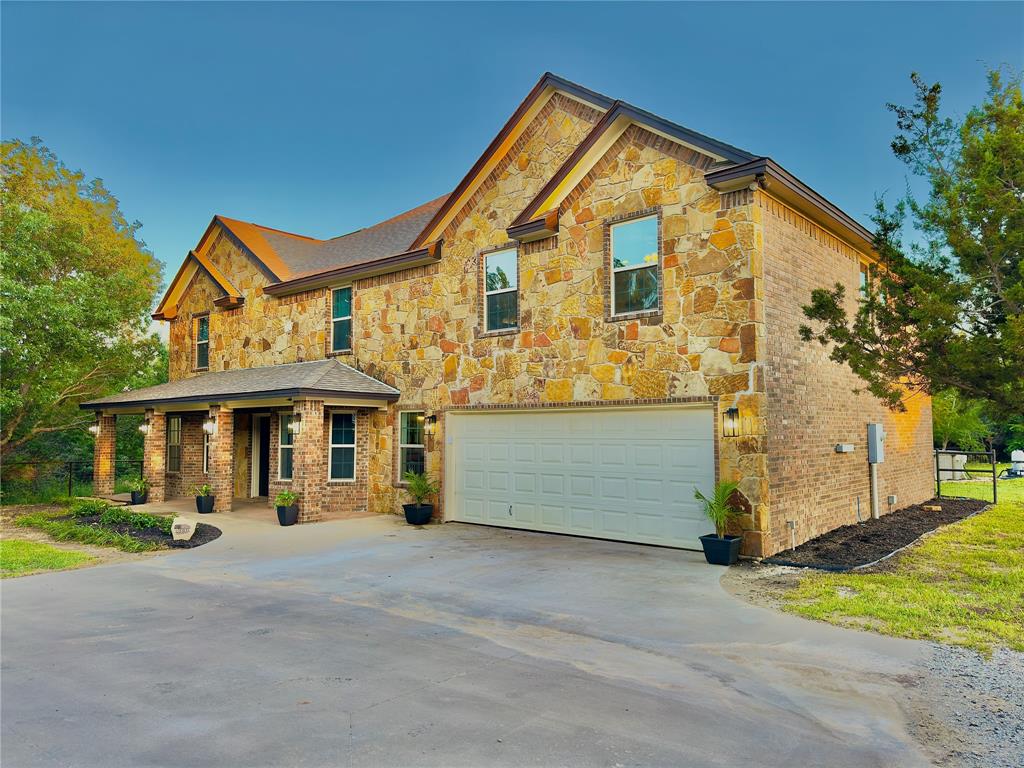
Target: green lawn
(1009,490)
(21,557)
(962,585)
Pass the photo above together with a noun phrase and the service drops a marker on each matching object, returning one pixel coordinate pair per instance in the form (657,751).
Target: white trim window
(501,290)
(412,447)
(634,263)
(202,337)
(285,447)
(206,452)
(174,443)
(341,451)
(341,319)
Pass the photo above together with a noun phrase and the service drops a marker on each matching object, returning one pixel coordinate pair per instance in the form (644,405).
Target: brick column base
(222,458)
(104,456)
(154,456)
(309,465)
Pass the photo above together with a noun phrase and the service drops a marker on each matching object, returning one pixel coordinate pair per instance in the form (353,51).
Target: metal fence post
(995,493)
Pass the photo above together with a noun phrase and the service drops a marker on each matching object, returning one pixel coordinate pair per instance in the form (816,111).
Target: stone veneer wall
(811,402)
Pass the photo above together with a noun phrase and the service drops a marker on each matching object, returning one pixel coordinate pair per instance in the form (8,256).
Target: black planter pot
(721,551)
(204,504)
(288,515)
(418,514)
(139,497)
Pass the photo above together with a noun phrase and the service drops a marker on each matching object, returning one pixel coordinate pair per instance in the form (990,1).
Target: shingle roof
(318,377)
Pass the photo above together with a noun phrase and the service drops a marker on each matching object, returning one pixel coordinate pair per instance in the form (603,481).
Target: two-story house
(599,318)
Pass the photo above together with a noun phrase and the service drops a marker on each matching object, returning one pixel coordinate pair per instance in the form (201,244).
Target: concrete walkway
(367,642)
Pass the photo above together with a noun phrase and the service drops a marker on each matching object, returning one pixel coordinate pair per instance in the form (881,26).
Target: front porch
(250,434)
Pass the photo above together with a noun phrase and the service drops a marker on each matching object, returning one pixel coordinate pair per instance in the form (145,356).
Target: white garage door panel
(617,474)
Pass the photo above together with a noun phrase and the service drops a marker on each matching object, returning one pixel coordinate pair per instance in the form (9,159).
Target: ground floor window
(342,450)
(174,443)
(411,444)
(285,447)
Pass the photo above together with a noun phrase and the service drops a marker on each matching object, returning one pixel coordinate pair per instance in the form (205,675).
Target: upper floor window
(174,443)
(501,290)
(285,446)
(864,277)
(341,319)
(634,258)
(342,451)
(203,341)
(411,442)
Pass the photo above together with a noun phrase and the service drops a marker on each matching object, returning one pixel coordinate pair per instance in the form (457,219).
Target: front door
(261,455)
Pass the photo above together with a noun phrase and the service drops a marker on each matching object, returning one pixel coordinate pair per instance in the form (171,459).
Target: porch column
(309,459)
(104,456)
(222,457)
(154,455)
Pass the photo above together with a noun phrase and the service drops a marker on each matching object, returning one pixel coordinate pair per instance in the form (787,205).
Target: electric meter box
(876,444)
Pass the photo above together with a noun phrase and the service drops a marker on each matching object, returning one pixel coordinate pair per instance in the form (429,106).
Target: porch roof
(323,379)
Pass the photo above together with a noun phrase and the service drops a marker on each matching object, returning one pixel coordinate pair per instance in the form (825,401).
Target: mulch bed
(204,533)
(854,545)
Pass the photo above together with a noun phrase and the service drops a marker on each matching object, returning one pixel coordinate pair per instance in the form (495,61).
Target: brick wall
(191,474)
(811,402)
(104,451)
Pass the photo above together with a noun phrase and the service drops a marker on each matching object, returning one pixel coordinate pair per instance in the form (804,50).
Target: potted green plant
(720,549)
(420,487)
(204,498)
(139,489)
(287,509)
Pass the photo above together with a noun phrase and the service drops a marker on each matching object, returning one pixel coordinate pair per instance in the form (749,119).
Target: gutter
(99,405)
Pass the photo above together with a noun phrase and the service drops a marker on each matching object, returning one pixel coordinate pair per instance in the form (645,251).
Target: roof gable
(534,220)
(195,262)
(541,93)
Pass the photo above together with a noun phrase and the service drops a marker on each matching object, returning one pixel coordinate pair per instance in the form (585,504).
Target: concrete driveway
(372,643)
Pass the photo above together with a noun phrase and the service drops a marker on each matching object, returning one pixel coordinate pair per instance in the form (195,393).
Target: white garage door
(625,474)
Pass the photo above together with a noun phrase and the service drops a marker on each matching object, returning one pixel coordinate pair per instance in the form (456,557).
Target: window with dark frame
(412,446)
(341,455)
(634,266)
(341,319)
(864,277)
(285,447)
(501,290)
(203,342)
(174,443)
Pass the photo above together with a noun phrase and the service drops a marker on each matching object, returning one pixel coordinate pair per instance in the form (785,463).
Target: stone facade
(734,271)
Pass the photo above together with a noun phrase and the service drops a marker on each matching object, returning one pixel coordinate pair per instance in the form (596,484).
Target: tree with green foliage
(959,421)
(76,289)
(947,311)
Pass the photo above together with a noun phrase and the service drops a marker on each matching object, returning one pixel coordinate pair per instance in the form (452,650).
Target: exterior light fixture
(95,428)
(144,427)
(295,424)
(731,422)
(431,424)
(210,426)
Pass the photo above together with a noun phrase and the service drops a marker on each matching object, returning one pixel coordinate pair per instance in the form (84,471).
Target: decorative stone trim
(427,270)
(736,198)
(481,305)
(650,316)
(806,226)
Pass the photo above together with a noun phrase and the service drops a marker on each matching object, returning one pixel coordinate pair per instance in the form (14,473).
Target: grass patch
(20,557)
(963,585)
(1009,490)
(52,524)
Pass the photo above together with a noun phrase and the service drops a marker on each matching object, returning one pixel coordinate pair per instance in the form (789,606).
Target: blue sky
(322,118)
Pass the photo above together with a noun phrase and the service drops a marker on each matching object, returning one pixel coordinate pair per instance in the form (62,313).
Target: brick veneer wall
(191,474)
(811,402)
(222,458)
(104,455)
(154,456)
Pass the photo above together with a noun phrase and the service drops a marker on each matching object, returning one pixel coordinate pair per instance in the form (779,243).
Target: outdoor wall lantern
(144,426)
(431,425)
(295,425)
(731,422)
(210,426)
(95,428)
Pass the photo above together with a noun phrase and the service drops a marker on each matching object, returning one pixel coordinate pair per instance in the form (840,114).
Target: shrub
(202,489)
(420,486)
(140,521)
(137,484)
(88,507)
(285,499)
(719,509)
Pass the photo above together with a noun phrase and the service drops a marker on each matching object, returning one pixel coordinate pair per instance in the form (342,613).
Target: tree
(959,421)
(76,289)
(947,311)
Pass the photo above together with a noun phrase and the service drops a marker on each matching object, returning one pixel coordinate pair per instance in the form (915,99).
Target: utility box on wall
(876,444)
